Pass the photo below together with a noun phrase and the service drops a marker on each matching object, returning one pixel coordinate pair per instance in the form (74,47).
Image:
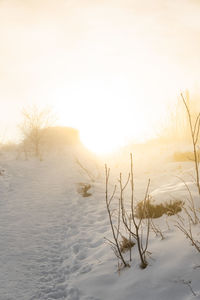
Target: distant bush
(60,136)
(150,210)
(9,147)
(48,138)
(184,156)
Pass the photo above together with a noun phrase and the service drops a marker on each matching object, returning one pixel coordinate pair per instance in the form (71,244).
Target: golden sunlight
(99,149)
(108,69)
(111,114)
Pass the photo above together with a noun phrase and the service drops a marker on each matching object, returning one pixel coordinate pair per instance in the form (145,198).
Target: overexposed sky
(107,66)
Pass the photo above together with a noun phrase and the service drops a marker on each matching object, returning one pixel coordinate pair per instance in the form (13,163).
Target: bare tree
(115,231)
(34,121)
(191,211)
(137,228)
(194,131)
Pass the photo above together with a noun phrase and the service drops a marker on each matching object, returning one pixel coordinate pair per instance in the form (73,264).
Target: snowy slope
(52,239)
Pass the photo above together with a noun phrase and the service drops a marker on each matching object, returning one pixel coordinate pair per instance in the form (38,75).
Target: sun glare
(111,109)
(109,117)
(101,142)
(107,68)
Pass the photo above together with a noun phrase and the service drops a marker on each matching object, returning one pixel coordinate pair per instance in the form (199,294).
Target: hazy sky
(117,61)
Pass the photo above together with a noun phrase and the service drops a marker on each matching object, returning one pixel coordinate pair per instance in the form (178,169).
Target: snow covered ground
(52,242)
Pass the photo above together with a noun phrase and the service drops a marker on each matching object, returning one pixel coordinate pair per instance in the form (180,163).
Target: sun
(107,117)
(110,110)
(101,143)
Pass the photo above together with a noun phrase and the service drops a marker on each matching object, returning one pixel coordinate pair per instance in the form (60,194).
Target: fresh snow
(52,242)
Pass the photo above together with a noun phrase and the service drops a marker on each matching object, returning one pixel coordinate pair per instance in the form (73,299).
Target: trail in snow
(52,239)
(44,231)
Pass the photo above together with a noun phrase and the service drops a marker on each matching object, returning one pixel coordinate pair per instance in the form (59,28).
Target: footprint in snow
(96,244)
(85,269)
(75,267)
(76,248)
(82,255)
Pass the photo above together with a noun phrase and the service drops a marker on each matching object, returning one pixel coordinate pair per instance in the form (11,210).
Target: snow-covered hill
(52,242)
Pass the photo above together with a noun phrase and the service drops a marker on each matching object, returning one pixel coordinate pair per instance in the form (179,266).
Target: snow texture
(52,242)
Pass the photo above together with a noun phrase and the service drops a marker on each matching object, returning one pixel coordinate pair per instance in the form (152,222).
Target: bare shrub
(194,131)
(137,228)
(116,244)
(191,211)
(156,229)
(188,232)
(190,207)
(34,121)
(192,216)
(138,231)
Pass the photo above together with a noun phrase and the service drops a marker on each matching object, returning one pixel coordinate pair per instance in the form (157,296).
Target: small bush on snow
(150,210)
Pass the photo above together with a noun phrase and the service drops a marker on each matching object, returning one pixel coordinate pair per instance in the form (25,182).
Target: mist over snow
(81,77)
(52,237)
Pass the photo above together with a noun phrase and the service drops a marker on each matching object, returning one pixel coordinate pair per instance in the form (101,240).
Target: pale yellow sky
(99,64)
